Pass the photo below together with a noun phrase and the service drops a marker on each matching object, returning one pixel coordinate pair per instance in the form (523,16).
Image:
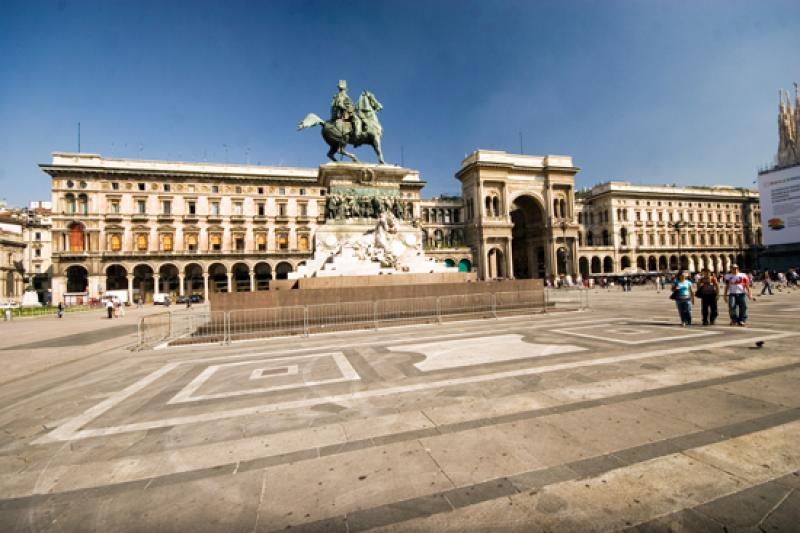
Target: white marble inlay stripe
(71,430)
(188,393)
(480,351)
(273,372)
(655,333)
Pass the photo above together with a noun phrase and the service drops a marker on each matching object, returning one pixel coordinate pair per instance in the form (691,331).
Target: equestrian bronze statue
(354,125)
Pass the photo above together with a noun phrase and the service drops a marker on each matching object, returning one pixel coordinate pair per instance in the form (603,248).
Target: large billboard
(780,206)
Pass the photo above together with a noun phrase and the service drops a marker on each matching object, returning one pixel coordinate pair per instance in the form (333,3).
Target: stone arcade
(198,228)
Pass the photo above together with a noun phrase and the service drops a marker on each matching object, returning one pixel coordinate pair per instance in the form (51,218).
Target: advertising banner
(780,206)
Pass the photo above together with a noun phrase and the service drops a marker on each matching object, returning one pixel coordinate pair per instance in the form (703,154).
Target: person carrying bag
(683,295)
(708,291)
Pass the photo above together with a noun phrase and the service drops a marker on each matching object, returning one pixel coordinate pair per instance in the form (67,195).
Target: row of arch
(652,263)
(442,238)
(441,215)
(144,280)
(464,265)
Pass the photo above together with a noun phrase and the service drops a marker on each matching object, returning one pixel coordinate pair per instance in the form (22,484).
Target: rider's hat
(343,84)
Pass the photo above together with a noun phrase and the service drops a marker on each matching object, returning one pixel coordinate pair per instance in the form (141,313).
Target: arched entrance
(562,255)
(529,238)
(583,266)
(263,275)
(596,266)
(218,278)
(10,284)
(282,270)
(465,265)
(77,279)
(652,263)
(168,281)
(625,262)
(193,279)
(496,264)
(143,283)
(449,262)
(608,265)
(116,278)
(641,263)
(241,277)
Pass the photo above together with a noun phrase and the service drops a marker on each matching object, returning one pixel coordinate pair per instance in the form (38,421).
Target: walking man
(737,292)
(110,308)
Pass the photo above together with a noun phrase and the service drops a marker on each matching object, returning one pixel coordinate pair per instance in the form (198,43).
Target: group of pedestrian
(115,308)
(736,287)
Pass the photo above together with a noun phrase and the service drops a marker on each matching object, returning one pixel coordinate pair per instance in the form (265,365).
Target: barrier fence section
(222,327)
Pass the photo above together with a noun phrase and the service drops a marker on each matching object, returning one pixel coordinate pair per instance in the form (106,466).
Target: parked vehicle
(120,296)
(161,299)
(197,299)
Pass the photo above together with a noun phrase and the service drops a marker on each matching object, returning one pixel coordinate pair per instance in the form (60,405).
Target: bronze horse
(367,107)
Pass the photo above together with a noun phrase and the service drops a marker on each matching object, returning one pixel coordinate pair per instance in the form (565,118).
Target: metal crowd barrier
(199,326)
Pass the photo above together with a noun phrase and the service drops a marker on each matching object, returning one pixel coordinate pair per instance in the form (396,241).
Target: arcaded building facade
(148,227)
(646,228)
(12,251)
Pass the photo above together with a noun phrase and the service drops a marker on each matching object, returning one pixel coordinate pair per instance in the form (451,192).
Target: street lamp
(677,226)
(564,226)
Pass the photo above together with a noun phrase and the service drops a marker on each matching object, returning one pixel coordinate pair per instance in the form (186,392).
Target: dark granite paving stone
(686,521)
(481,492)
(408,435)
(695,440)
(541,478)
(397,512)
(747,508)
(329,525)
(365,371)
(648,451)
(594,466)
(335,449)
(790,480)
(193,475)
(26,502)
(786,517)
(760,423)
(286,458)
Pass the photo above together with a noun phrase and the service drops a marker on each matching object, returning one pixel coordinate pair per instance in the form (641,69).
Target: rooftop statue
(354,125)
(788,129)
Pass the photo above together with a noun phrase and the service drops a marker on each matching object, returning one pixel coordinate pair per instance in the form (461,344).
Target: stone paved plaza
(614,418)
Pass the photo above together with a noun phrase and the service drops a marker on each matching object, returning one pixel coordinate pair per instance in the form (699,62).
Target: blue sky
(645,91)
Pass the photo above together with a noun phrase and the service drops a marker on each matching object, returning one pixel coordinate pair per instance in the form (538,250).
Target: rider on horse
(342,110)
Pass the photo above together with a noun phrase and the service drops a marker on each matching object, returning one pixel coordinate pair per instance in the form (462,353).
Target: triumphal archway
(519,214)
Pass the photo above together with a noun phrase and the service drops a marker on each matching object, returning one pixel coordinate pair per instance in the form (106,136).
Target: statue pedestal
(369,229)
(30,299)
(344,249)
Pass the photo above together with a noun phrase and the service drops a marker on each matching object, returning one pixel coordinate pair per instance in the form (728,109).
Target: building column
(157,283)
(181,279)
(252,281)
(509,260)
(530,252)
(130,288)
(205,286)
(230,279)
(550,258)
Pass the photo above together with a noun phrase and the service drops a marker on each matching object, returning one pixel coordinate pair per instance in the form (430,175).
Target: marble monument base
(349,248)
